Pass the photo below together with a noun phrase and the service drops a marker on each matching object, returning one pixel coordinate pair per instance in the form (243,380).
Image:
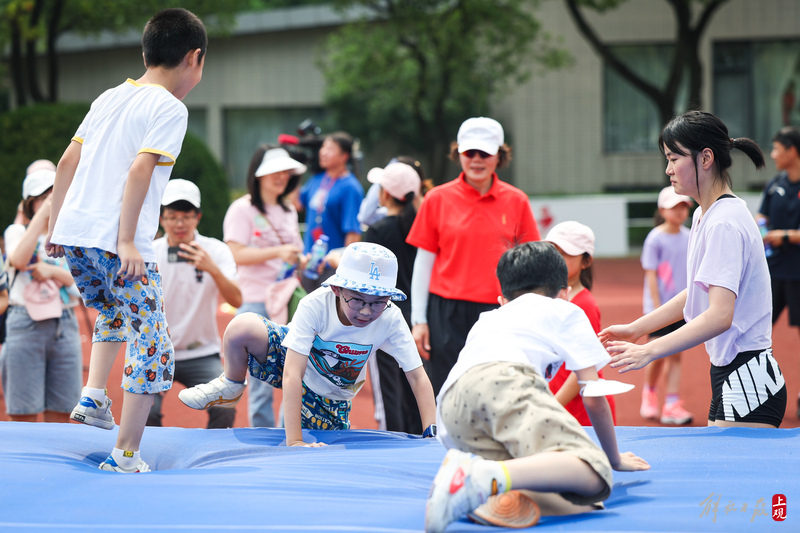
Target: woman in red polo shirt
(461,230)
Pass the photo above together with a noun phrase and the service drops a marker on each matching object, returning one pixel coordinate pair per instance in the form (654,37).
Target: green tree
(685,48)
(410,71)
(32,29)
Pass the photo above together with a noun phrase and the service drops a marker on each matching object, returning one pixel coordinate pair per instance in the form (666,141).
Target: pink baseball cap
(398,179)
(668,198)
(572,237)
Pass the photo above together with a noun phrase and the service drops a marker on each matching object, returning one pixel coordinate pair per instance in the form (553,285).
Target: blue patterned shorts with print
(130,311)
(316,412)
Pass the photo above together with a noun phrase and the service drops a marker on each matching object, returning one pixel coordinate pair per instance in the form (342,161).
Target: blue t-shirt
(331,208)
(781,204)
(666,254)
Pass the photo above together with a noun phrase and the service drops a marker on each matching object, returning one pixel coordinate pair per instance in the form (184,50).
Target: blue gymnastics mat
(702,479)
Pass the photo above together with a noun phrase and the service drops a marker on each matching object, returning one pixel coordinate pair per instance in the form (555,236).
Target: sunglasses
(469,154)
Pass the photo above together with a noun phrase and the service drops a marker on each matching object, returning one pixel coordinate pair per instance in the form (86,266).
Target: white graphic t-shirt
(338,354)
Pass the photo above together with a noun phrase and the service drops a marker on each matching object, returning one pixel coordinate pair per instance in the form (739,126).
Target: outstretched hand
(306,444)
(621,332)
(629,462)
(628,356)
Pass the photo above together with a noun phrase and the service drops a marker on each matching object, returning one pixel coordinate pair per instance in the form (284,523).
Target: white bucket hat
(398,179)
(179,189)
(369,269)
(37,182)
(278,160)
(480,133)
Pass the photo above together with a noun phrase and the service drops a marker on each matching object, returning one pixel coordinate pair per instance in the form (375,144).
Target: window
(246,129)
(631,121)
(198,125)
(757,87)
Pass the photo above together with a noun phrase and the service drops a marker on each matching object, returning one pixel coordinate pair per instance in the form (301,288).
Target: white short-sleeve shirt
(726,250)
(338,354)
(123,122)
(191,298)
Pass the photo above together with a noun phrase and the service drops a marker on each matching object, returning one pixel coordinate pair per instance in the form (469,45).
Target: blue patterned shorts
(130,311)
(316,412)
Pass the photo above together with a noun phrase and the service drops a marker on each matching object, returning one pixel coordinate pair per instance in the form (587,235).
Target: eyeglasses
(357,304)
(469,154)
(180,220)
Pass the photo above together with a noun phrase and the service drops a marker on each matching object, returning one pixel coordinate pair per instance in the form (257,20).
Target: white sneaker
(88,411)
(215,393)
(111,465)
(453,493)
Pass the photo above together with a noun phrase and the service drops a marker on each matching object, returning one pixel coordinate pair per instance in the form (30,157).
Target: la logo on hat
(374,273)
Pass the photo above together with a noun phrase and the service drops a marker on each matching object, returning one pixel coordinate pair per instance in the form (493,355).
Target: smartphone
(173,257)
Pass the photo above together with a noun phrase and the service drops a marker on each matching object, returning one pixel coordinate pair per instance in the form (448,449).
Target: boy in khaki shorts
(503,426)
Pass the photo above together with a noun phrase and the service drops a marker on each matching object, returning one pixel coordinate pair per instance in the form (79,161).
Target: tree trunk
(17,69)
(30,55)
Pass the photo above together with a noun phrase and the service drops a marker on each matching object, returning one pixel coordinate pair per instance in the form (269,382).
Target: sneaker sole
(436,510)
(91,420)
(219,402)
(510,509)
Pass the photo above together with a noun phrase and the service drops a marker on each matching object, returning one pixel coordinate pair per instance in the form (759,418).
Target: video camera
(304,147)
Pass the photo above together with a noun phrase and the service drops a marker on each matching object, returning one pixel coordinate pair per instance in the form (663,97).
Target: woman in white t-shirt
(41,363)
(261,230)
(726,304)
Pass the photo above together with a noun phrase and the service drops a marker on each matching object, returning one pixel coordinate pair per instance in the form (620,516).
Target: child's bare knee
(244,331)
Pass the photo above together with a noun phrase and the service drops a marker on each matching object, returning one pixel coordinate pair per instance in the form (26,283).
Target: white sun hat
(37,182)
(369,269)
(572,237)
(278,160)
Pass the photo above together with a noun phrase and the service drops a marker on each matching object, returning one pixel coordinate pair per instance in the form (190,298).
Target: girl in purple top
(664,264)
(725,304)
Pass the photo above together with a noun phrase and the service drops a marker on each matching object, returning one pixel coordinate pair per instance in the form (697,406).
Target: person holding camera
(195,271)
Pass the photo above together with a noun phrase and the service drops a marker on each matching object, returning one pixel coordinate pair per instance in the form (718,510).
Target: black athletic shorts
(749,389)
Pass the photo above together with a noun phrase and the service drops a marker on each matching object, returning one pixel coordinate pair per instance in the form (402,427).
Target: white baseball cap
(572,237)
(278,160)
(369,269)
(668,198)
(398,179)
(179,189)
(480,133)
(37,182)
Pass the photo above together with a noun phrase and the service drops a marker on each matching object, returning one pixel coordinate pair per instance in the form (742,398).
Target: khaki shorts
(505,410)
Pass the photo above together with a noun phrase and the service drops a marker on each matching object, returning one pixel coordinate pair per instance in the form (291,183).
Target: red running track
(618,290)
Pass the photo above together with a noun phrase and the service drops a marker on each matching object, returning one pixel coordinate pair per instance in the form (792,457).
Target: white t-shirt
(337,353)
(726,250)
(534,330)
(122,123)
(191,305)
(246,225)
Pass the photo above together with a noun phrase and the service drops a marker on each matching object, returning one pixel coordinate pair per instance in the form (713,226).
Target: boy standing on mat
(319,360)
(105,208)
(504,427)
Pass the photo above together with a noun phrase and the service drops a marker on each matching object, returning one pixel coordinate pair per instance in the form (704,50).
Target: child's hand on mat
(306,444)
(627,356)
(628,462)
(621,332)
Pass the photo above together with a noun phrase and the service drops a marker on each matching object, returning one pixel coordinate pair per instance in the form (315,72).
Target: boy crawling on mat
(319,360)
(504,427)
